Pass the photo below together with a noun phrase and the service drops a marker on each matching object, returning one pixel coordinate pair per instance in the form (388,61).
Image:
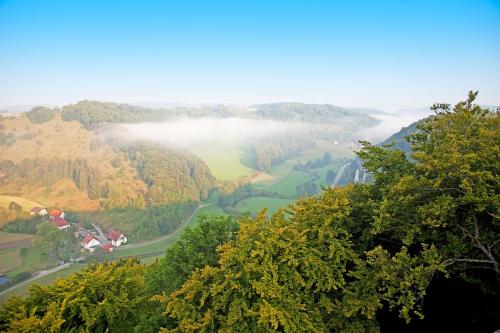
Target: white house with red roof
(40,211)
(54,213)
(61,223)
(90,242)
(116,238)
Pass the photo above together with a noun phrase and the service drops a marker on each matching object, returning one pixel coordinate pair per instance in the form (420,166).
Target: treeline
(315,164)
(171,176)
(276,149)
(315,113)
(46,172)
(228,199)
(92,113)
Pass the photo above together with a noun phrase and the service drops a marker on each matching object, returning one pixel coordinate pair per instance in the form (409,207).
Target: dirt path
(174,233)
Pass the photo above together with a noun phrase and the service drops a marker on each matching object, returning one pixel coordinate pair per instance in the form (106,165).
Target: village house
(90,242)
(54,213)
(61,223)
(116,238)
(38,211)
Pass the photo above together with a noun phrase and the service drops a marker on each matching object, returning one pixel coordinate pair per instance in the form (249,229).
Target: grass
(287,185)
(225,161)
(255,204)
(5,201)
(6,237)
(32,260)
(10,259)
(209,210)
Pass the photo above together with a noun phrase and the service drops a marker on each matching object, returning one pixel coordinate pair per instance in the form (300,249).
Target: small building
(116,238)
(40,211)
(54,213)
(90,242)
(61,223)
(108,247)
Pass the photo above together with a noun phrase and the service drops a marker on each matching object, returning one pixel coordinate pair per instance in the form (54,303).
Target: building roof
(107,247)
(56,212)
(59,222)
(88,238)
(113,235)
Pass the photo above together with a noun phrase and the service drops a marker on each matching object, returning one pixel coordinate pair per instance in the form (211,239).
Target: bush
(40,114)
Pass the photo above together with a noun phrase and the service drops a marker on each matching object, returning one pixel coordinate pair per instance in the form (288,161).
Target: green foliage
(40,114)
(24,226)
(449,195)
(337,262)
(51,240)
(140,223)
(107,297)
(171,176)
(276,149)
(195,249)
(298,274)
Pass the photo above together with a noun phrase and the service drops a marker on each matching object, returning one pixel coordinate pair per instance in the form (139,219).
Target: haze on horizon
(386,54)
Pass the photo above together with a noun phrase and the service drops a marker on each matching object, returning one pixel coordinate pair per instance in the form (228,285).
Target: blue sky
(387,54)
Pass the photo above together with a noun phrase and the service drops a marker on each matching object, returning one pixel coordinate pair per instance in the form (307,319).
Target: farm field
(223,160)
(255,204)
(287,185)
(8,237)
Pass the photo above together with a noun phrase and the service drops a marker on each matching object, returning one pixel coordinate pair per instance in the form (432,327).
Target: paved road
(41,274)
(103,239)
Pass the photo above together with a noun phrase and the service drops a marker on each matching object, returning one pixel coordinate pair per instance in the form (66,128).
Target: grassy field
(287,185)
(5,201)
(32,260)
(224,160)
(209,210)
(10,259)
(255,204)
(6,237)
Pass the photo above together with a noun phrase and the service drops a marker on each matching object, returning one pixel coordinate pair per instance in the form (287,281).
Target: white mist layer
(190,132)
(392,123)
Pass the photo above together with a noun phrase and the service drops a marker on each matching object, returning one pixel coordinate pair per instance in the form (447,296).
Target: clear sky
(387,54)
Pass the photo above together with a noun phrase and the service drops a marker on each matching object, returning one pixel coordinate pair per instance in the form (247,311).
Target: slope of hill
(61,163)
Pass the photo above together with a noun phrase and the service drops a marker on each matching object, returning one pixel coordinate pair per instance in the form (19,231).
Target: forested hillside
(414,251)
(61,163)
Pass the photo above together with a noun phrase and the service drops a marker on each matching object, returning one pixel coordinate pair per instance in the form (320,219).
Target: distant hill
(399,139)
(316,113)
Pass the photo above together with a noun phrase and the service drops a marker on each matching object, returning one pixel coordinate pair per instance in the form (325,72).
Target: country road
(42,274)
(174,233)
